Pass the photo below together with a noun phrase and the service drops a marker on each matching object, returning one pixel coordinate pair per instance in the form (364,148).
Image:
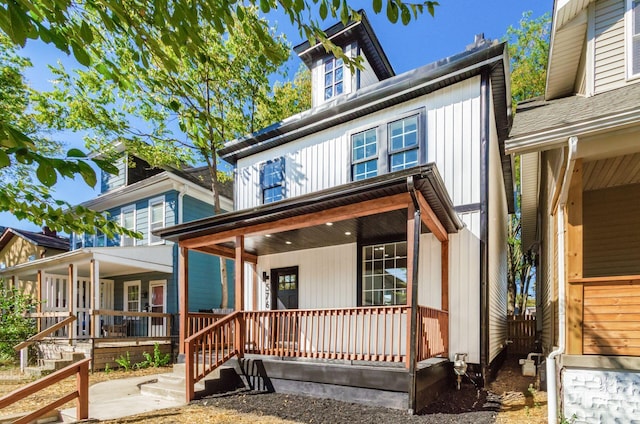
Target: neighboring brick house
(580,155)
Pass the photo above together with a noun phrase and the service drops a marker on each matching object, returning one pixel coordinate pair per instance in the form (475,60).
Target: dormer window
(633,38)
(333,77)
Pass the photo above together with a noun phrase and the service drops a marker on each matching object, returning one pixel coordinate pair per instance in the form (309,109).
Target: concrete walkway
(121,398)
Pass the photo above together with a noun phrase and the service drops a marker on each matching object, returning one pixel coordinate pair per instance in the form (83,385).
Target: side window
(333,77)
(128,221)
(384,274)
(403,143)
(272,180)
(156,218)
(364,154)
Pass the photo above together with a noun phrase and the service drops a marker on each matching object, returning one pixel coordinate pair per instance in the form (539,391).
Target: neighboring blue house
(126,288)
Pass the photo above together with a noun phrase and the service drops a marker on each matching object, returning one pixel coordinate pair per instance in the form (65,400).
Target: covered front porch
(357,274)
(96,298)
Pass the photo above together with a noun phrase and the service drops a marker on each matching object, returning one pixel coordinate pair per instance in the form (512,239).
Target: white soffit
(530,186)
(567,46)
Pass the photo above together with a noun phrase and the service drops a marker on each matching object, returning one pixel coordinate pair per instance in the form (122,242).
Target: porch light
(347,233)
(329,224)
(287,242)
(267,235)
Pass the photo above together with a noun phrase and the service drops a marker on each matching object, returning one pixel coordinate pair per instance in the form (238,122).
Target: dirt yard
(508,400)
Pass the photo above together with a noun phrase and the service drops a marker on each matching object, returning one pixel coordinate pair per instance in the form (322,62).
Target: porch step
(51,365)
(173,385)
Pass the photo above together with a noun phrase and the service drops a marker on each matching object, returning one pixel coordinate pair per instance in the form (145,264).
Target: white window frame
(125,295)
(127,209)
(333,60)
(152,202)
(628,39)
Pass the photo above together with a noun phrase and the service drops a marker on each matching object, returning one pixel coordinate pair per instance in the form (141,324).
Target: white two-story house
(580,148)
(372,228)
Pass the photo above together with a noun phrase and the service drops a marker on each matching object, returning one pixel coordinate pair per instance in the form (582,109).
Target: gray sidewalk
(121,398)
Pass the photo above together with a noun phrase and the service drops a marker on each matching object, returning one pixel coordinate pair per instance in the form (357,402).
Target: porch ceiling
(386,226)
(612,172)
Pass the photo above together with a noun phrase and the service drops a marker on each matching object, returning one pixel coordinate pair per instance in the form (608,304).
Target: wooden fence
(522,333)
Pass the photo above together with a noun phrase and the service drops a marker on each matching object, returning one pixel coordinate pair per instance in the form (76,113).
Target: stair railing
(211,347)
(80,369)
(23,347)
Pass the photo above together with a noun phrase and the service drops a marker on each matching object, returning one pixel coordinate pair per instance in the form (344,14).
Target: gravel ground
(468,406)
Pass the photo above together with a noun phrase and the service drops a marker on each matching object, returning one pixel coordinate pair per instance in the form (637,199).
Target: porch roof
(426,179)
(114,261)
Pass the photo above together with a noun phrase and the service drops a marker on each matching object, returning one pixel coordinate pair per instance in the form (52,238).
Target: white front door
(158,304)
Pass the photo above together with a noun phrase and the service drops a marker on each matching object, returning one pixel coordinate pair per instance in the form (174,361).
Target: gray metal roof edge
(325,115)
(425,172)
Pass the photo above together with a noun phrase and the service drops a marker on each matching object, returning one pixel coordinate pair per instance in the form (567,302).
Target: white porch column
(95,297)
(72,302)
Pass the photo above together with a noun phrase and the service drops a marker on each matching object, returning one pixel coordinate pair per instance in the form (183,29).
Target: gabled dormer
(595,47)
(131,169)
(330,77)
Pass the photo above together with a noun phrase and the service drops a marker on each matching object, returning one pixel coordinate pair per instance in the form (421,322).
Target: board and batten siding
(367,75)
(609,45)
(322,160)
(611,219)
(497,250)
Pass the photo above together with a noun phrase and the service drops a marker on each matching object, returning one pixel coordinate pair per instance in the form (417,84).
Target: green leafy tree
(14,326)
(288,98)
(31,160)
(71,27)
(529,53)
(178,114)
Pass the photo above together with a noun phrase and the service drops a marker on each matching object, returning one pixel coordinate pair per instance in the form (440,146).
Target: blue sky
(425,40)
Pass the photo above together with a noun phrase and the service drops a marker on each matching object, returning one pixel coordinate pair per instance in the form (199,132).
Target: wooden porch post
(409,359)
(574,265)
(254,286)
(239,293)
(183,294)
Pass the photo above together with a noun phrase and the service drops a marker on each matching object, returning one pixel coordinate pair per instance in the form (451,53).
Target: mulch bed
(466,406)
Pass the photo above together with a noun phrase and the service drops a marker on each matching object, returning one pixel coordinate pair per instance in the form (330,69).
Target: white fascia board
(149,187)
(549,139)
(73,256)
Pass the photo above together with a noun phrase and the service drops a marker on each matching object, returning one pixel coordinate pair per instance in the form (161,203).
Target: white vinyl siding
(128,221)
(156,218)
(609,45)
(323,159)
(497,250)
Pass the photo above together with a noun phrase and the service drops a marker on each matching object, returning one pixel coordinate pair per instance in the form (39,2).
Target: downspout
(414,295)
(552,386)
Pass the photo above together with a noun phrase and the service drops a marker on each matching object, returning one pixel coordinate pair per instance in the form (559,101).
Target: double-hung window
(156,218)
(633,38)
(272,180)
(333,77)
(403,143)
(384,274)
(364,153)
(128,221)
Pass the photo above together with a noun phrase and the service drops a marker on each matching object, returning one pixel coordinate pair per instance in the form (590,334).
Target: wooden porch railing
(121,324)
(80,369)
(23,347)
(433,333)
(198,321)
(365,333)
(602,316)
(211,347)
